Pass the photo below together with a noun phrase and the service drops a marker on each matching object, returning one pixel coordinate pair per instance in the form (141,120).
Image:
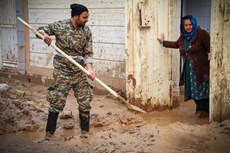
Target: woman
(194,47)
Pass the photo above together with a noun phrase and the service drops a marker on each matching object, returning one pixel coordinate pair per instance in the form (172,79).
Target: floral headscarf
(189,35)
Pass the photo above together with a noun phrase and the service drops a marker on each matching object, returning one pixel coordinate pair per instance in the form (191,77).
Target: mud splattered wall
(152,71)
(220,65)
(107,24)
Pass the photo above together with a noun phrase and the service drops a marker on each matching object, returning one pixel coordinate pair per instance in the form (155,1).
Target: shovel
(84,70)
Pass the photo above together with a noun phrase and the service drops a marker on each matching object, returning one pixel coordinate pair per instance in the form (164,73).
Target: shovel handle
(69,58)
(83,69)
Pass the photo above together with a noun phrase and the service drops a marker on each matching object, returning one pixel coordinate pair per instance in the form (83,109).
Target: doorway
(8,29)
(201,9)
(11,36)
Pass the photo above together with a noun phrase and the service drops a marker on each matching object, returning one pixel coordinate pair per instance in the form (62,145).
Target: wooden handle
(70,59)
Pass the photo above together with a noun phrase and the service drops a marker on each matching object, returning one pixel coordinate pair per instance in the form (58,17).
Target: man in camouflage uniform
(75,39)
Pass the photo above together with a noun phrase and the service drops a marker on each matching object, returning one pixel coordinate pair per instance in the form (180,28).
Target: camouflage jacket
(73,41)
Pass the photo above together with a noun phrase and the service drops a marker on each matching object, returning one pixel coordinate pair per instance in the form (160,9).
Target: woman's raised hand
(161,38)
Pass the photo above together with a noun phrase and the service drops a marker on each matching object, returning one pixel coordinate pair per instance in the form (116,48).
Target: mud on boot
(49,136)
(84,134)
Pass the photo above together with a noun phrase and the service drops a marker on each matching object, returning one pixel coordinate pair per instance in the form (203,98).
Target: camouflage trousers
(68,76)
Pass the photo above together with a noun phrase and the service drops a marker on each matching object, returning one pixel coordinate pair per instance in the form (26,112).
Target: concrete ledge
(12,75)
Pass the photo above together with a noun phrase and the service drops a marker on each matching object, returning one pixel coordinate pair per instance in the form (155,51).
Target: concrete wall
(152,71)
(220,65)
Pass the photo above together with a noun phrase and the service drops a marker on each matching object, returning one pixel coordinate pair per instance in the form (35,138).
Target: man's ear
(77,17)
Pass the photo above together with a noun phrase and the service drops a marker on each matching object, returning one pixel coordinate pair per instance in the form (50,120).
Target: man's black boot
(84,122)
(51,124)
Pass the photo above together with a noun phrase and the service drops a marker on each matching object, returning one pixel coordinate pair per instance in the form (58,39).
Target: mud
(113,128)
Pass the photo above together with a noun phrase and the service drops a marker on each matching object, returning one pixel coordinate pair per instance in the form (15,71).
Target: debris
(20,93)
(97,124)
(109,113)
(66,114)
(225,124)
(3,88)
(68,125)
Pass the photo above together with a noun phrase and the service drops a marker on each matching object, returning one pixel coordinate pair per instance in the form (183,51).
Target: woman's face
(188,25)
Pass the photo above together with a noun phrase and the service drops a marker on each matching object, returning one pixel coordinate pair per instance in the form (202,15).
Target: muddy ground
(113,128)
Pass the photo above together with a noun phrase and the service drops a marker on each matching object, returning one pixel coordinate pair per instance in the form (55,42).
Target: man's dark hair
(77,9)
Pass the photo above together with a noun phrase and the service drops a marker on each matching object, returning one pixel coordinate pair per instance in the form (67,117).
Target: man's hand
(90,69)
(47,39)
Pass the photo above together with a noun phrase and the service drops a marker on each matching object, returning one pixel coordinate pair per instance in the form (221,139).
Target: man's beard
(79,24)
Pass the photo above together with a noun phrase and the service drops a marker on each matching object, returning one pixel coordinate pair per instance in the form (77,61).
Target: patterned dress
(192,91)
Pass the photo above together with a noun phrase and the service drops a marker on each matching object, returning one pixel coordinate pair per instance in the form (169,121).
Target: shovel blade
(137,109)
(130,106)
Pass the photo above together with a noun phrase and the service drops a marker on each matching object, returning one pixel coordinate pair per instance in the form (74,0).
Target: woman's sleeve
(206,40)
(171,44)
